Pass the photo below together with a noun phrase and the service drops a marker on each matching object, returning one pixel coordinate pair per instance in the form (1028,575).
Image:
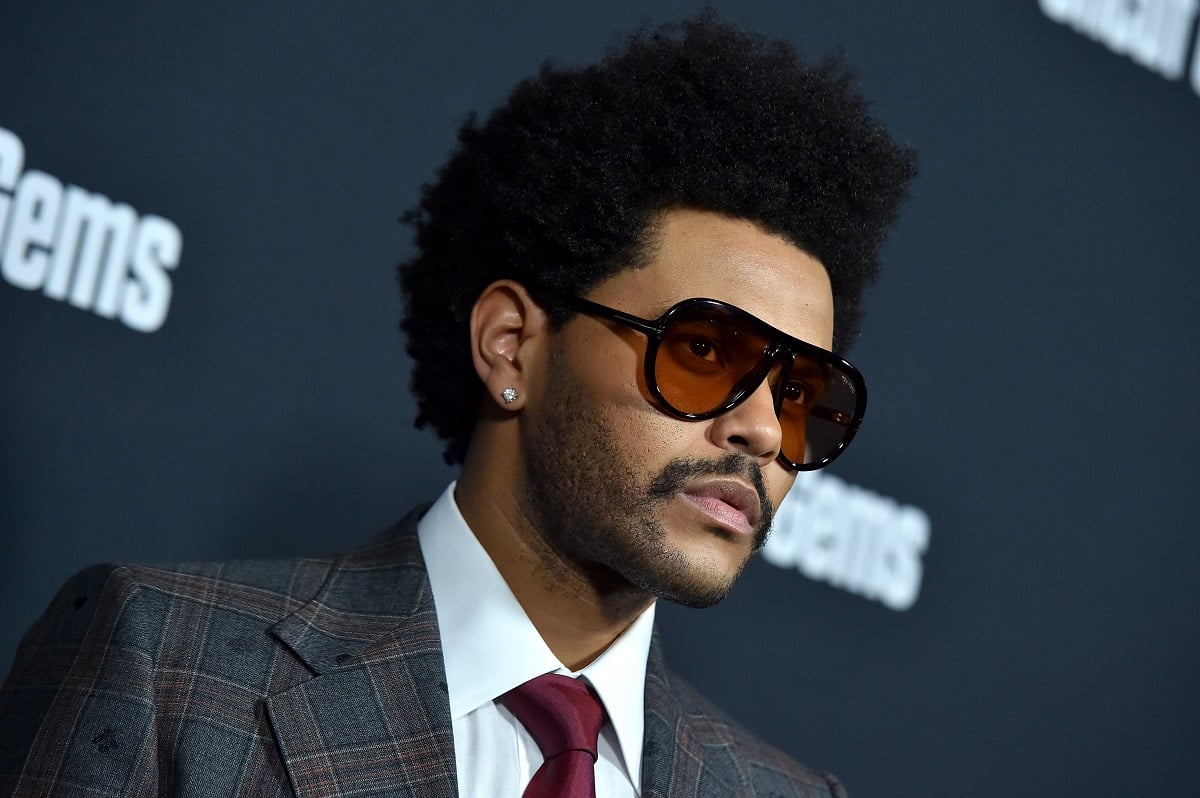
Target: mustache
(678,473)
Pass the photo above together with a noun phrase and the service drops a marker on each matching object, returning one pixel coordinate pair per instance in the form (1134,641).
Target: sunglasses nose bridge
(770,364)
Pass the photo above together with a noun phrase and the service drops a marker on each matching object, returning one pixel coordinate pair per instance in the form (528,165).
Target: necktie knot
(562,714)
(564,717)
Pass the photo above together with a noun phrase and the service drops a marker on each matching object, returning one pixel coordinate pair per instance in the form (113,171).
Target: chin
(697,596)
(696,581)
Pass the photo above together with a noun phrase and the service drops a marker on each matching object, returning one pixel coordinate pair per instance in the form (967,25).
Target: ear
(507,332)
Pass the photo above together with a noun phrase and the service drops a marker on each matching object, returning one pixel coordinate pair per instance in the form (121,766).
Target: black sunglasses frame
(781,348)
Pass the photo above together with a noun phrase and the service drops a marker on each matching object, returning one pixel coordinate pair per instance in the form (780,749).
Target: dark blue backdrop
(1031,355)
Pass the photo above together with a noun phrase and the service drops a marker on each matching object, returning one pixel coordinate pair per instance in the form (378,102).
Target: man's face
(630,494)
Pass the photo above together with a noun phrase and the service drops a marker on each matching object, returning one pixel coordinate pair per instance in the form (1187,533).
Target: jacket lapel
(676,759)
(376,714)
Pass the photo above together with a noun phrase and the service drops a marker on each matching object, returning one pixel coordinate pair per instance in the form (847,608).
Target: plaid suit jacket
(309,677)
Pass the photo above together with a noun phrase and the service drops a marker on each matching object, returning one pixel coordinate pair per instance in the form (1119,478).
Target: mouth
(728,501)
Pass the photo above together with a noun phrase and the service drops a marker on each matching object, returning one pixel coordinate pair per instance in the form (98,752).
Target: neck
(578,611)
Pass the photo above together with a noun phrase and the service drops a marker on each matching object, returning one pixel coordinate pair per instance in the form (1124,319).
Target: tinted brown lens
(818,403)
(703,356)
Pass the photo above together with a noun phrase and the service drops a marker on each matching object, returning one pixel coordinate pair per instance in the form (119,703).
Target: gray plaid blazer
(309,677)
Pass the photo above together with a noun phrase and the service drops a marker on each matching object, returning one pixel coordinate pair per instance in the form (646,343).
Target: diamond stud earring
(509,395)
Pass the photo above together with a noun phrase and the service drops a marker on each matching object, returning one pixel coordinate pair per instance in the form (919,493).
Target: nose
(751,428)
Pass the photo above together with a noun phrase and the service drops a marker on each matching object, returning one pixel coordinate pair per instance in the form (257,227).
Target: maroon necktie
(564,717)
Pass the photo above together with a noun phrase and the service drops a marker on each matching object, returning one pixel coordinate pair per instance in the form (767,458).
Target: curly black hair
(559,188)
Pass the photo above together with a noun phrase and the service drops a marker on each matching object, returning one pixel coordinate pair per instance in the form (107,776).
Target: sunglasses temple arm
(587,306)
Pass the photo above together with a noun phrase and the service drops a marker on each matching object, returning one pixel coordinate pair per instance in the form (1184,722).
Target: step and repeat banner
(993,593)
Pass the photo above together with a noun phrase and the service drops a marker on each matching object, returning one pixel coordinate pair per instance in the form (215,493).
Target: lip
(729,501)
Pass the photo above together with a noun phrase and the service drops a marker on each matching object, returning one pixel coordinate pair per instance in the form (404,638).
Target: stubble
(586,500)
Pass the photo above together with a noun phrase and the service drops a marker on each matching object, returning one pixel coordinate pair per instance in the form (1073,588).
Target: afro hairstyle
(560,186)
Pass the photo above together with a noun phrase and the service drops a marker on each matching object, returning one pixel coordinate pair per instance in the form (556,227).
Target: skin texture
(582,491)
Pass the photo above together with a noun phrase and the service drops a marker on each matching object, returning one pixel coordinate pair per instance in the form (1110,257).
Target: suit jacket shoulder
(291,674)
(124,663)
(694,748)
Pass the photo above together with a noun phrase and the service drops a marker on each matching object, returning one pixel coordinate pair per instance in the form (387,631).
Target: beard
(585,497)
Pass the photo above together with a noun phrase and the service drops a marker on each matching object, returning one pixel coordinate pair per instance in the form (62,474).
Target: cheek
(650,438)
(779,482)
(615,382)
(612,376)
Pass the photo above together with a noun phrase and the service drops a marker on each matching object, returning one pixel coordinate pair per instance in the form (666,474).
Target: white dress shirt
(490,646)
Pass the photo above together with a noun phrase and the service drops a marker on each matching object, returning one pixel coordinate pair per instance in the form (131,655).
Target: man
(621,313)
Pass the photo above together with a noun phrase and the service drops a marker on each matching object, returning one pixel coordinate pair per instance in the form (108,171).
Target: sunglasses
(704,357)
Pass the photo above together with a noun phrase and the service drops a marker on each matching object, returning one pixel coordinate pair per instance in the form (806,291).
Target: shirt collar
(490,646)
